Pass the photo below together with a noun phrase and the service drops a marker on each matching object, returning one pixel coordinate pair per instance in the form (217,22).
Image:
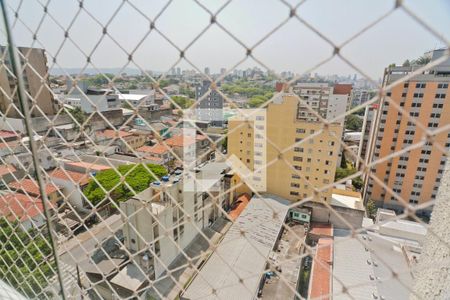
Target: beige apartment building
(309,151)
(35,71)
(414,175)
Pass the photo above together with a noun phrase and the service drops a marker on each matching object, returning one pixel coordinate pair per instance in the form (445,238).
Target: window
(295,185)
(298,149)
(440,96)
(420,85)
(298,158)
(292,193)
(403,94)
(295,176)
(418,95)
(442,85)
(300,130)
(406,84)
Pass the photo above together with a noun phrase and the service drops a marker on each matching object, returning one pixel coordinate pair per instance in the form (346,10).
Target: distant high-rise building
(223,71)
(360,96)
(207,71)
(209,107)
(34,62)
(302,167)
(367,133)
(179,71)
(330,102)
(414,175)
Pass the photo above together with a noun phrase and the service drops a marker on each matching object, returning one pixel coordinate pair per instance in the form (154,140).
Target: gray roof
(130,277)
(364,265)
(241,256)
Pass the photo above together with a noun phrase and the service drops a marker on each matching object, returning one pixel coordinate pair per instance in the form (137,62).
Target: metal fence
(72,237)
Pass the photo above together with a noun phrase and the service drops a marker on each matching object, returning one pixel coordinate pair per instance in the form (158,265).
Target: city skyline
(298,49)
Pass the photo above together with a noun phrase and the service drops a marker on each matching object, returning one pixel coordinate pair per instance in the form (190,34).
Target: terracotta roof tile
(321,270)
(156,149)
(31,187)
(76,177)
(7,134)
(342,89)
(321,229)
(242,202)
(6,169)
(16,206)
(180,141)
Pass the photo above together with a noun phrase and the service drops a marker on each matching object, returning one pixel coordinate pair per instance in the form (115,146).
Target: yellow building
(292,159)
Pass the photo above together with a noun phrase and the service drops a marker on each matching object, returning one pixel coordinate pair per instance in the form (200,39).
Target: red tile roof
(80,178)
(242,203)
(321,229)
(342,89)
(88,166)
(8,134)
(6,169)
(180,141)
(31,187)
(156,149)
(321,270)
(113,134)
(16,206)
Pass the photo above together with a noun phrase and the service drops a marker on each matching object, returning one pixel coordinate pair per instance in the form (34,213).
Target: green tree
(182,101)
(138,179)
(26,259)
(357,183)
(79,116)
(371,209)
(422,60)
(343,173)
(353,122)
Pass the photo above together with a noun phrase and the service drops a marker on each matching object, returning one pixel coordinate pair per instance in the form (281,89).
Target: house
(127,141)
(158,151)
(72,184)
(9,173)
(189,148)
(29,211)
(8,136)
(30,187)
(84,167)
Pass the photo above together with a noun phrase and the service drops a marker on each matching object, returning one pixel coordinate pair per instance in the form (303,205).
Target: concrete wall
(432,274)
(323,214)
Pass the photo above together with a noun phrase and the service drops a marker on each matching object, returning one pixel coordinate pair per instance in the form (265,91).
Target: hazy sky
(293,47)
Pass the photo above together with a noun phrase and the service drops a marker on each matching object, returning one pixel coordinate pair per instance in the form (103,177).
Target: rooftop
(114,134)
(156,149)
(31,187)
(365,265)
(342,89)
(348,199)
(321,229)
(76,177)
(240,205)
(8,134)
(6,169)
(320,282)
(241,256)
(130,278)
(180,141)
(16,206)
(88,166)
